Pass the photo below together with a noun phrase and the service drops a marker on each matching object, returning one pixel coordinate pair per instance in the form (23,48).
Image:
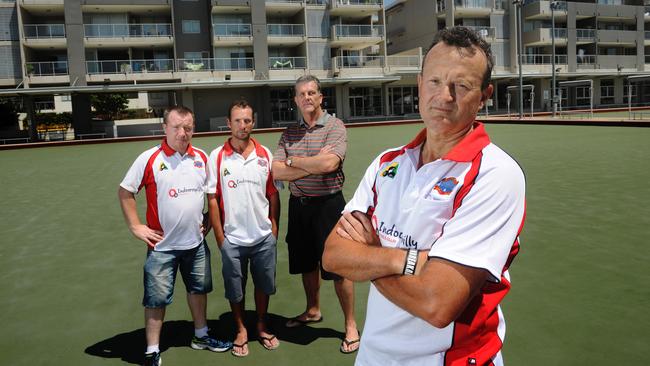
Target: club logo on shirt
(262,162)
(175,192)
(198,164)
(445,186)
(225,172)
(390,171)
(163,167)
(234,184)
(393,235)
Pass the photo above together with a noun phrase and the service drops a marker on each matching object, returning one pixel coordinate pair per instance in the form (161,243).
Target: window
(607,91)
(191,26)
(66,98)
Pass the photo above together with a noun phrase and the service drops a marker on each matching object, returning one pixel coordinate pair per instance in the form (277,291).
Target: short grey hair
(307,79)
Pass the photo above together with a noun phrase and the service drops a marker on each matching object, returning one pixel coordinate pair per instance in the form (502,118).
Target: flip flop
(347,342)
(270,339)
(239,354)
(297,322)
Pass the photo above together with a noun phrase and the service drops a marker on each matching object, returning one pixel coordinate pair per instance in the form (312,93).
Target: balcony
(543,59)
(608,37)
(346,8)
(232,34)
(215,64)
(403,64)
(472,8)
(38,6)
(356,36)
(129,66)
(584,36)
(586,61)
(283,8)
(47,72)
(542,37)
(355,65)
(617,62)
(129,35)
(44,36)
(285,63)
(286,34)
(542,10)
(441,7)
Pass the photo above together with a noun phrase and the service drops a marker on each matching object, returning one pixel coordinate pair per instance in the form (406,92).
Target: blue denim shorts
(160,274)
(235,259)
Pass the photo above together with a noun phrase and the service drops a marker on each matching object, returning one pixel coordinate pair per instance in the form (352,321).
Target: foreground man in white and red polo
(435,224)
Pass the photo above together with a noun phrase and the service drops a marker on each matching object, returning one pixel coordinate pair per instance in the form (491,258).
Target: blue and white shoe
(212,344)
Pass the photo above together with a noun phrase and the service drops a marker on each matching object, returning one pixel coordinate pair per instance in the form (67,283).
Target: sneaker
(212,344)
(152,359)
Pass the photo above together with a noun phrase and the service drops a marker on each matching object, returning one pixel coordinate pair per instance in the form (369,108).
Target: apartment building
(598,45)
(200,53)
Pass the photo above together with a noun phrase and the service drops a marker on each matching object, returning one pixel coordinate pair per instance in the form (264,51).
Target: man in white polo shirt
(244,211)
(435,224)
(174,176)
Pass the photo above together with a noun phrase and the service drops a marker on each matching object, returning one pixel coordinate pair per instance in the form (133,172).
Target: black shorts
(311,219)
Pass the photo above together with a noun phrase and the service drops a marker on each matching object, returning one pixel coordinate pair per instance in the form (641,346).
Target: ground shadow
(130,346)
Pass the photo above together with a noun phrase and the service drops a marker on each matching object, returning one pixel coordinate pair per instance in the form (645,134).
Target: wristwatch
(288,162)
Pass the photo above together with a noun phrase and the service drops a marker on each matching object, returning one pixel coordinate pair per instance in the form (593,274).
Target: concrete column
(81,116)
(619,90)
(342,103)
(386,104)
(640,38)
(512,27)
(260,40)
(449,13)
(571,49)
(28,104)
(74,31)
(596,92)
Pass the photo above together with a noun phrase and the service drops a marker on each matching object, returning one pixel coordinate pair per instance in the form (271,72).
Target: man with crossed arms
(435,224)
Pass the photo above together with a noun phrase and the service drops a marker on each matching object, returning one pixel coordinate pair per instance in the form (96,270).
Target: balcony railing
(647,59)
(559,5)
(585,34)
(543,59)
(358,2)
(441,6)
(485,32)
(316,2)
(49,68)
(473,4)
(284,1)
(44,105)
(403,61)
(127,30)
(214,64)
(586,59)
(129,66)
(232,30)
(349,30)
(286,30)
(647,35)
(610,2)
(282,63)
(44,31)
(560,32)
(359,61)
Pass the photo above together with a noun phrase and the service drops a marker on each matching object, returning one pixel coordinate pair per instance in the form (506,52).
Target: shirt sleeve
(364,196)
(485,226)
(212,171)
(132,181)
(270,184)
(280,152)
(338,138)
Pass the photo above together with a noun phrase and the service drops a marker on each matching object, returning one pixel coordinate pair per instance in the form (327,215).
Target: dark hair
(240,103)
(468,40)
(308,78)
(181,110)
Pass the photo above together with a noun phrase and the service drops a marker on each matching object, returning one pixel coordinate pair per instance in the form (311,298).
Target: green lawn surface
(71,273)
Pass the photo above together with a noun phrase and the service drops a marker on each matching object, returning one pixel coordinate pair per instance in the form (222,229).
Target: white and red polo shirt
(243,187)
(467,207)
(175,187)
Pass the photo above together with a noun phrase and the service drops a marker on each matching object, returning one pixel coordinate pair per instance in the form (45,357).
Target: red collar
(466,150)
(228,150)
(169,151)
